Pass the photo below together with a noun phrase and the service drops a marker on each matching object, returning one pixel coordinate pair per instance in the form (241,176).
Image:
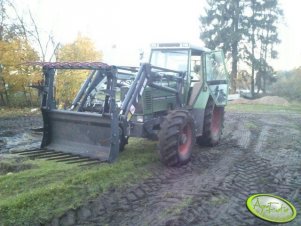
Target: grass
(262,108)
(218,200)
(8,166)
(250,125)
(10,112)
(177,208)
(48,189)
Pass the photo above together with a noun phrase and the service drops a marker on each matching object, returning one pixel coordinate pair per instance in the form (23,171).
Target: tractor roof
(178,45)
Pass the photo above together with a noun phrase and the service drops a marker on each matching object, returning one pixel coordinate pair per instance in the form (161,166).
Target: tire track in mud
(259,153)
(156,201)
(226,204)
(212,189)
(251,174)
(173,189)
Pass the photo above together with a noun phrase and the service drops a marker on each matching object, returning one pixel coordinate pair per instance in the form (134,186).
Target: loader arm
(147,76)
(97,134)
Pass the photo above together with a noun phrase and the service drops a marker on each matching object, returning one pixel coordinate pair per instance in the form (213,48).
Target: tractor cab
(203,68)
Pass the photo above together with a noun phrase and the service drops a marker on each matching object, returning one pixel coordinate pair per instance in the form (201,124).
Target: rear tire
(213,125)
(176,138)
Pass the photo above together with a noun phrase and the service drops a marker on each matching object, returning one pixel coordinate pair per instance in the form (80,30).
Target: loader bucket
(83,134)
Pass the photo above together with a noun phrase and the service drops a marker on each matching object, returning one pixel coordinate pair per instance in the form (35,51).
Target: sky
(123,28)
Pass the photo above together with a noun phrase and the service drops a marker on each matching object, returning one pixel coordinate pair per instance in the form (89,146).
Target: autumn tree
(22,41)
(68,82)
(15,73)
(15,51)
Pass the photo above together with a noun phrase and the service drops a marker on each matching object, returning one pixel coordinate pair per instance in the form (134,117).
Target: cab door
(216,77)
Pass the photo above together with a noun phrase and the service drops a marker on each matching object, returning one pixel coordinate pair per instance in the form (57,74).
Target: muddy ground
(259,153)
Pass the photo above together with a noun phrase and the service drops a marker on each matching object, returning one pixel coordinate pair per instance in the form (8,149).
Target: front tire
(176,138)
(213,125)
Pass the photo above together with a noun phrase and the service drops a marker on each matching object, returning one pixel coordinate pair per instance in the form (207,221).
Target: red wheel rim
(216,120)
(185,140)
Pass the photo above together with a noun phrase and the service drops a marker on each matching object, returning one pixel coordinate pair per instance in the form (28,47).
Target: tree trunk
(265,60)
(5,91)
(25,97)
(253,64)
(2,99)
(235,47)
(253,50)
(234,67)
(264,83)
(30,98)
(252,75)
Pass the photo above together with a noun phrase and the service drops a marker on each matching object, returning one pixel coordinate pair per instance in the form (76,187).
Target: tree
(245,28)
(15,51)
(21,40)
(263,35)
(42,44)
(221,28)
(4,30)
(271,14)
(16,76)
(68,82)
(9,29)
(288,85)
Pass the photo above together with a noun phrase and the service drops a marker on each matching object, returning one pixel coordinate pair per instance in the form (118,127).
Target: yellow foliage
(13,55)
(68,82)
(82,49)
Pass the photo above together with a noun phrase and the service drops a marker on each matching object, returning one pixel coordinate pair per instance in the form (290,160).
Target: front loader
(177,98)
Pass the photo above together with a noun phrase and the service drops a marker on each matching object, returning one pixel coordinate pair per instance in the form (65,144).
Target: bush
(288,85)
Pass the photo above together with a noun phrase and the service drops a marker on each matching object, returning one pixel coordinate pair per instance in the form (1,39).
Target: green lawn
(261,108)
(49,188)
(8,112)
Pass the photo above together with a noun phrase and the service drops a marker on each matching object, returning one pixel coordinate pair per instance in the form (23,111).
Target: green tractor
(178,98)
